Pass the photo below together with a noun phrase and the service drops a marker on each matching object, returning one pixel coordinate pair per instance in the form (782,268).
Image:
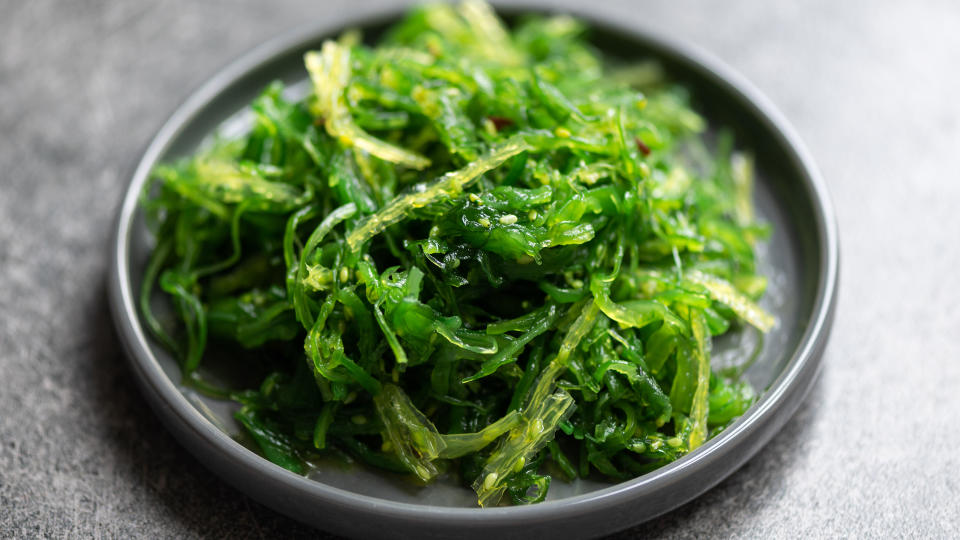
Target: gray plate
(802,256)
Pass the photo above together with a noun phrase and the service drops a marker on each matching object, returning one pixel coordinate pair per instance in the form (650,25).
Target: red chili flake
(500,122)
(643,148)
(319,121)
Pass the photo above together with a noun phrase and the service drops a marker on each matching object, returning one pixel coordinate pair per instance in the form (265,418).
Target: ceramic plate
(801,256)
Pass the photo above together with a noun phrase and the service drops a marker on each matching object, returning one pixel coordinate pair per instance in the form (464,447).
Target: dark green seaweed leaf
(470,250)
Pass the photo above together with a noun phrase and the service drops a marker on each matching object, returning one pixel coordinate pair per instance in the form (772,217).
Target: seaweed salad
(472,250)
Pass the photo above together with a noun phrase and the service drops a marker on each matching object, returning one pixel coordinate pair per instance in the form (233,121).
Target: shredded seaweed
(472,250)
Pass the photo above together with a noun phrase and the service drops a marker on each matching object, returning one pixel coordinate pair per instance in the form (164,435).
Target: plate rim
(221,453)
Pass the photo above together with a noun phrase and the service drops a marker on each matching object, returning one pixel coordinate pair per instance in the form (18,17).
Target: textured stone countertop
(872,87)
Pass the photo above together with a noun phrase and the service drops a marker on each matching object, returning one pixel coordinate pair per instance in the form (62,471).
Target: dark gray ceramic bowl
(802,256)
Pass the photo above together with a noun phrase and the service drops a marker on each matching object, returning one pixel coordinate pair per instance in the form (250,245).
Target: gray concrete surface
(873,87)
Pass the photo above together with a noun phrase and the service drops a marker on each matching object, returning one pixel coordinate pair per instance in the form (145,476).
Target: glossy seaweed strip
(472,250)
